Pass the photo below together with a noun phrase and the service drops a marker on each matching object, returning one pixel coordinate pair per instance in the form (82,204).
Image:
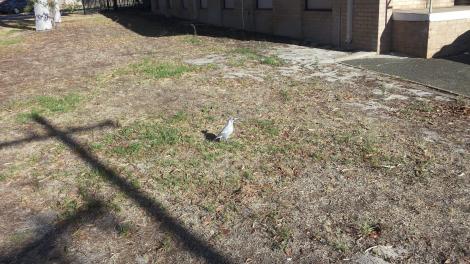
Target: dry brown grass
(308,176)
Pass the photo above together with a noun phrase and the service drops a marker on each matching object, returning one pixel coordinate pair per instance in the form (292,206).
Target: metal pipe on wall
(349,21)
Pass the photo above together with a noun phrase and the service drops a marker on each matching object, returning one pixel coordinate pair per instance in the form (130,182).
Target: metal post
(430,6)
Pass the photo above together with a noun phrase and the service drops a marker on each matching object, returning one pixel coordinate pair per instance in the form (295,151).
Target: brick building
(404,26)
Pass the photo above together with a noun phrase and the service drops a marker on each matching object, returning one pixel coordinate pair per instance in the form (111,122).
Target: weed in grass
(284,94)
(271,60)
(166,243)
(248,53)
(21,236)
(96,146)
(369,229)
(193,40)
(68,207)
(267,127)
(3,177)
(130,149)
(248,175)
(180,116)
(10,41)
(27,117)
(57,104)
(366,229)
(341,246)
(159,70)
(124,229)
(209,207)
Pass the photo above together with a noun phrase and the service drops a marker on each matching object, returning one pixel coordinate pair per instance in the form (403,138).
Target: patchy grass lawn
(322,167)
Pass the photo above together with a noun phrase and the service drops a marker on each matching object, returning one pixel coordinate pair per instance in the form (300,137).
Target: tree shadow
(190,241)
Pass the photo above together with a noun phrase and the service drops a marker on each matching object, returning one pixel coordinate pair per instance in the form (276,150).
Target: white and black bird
(227,130)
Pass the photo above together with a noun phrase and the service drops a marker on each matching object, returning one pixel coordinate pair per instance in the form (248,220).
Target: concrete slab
(451,74)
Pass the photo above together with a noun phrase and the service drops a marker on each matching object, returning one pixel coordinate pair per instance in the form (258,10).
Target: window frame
(263,8)
(183,5)
(317,9)
(229,8)
(201,7)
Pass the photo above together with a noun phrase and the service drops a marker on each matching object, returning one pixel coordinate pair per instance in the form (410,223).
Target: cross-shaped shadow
(189,240)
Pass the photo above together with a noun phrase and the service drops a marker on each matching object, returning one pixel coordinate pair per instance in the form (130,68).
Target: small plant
(284,94)
(160,70)
(341,246)
(271,60)
(124,229)
(194,40)
(179,117)
(370,230)
(68,207)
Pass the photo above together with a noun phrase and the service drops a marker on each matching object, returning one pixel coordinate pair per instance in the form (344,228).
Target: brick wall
(417,4)
(290,18)
(317,26)
(410,37)
(287,18)
(431,39)
(448,37)
(462,2)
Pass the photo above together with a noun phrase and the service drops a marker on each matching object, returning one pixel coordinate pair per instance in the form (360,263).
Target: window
(264,4)
(319,5)
(229,4)
(203,4)
(185,4)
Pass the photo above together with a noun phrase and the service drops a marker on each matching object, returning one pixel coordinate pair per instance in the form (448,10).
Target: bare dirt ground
(106,157)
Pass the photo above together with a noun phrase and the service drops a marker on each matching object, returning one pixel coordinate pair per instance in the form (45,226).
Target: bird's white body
(227,131)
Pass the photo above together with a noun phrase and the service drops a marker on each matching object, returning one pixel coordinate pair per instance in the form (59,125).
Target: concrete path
(451,74)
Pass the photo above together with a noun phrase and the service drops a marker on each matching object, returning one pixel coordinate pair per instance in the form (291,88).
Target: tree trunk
(43,18)
(56,12)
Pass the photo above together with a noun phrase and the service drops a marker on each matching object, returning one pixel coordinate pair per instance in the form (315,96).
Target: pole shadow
(189,240)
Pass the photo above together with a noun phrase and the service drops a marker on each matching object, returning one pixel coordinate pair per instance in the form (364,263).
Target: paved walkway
(451,74)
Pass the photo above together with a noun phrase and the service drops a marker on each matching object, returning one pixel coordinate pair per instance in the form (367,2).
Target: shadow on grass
(151,25)
(209,136)
(48,248)
(190,241)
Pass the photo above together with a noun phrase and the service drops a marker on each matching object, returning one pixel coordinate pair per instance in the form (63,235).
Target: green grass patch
(193,40)
(10,41)
(141,136)
(159,70)
(48,105)
(251,54)
(271,60)
(59,104)
(267,127)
